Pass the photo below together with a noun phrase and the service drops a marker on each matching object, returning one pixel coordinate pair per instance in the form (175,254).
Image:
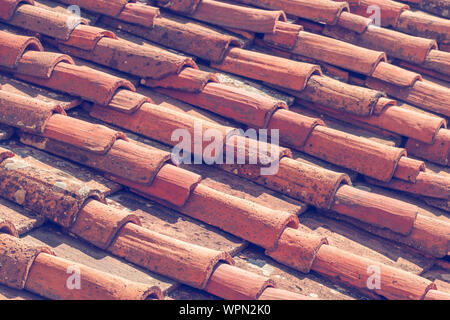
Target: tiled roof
(151,68)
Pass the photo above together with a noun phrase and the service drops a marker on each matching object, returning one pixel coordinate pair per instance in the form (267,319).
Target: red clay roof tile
(285,35)
(85,37)
(191,264)
(329,92)
(30,17)
(409,123)
(438,61)
(231,102)
(437,152)
(108,7)
(85,82)
(408,169)
(94,138)
(189,79)
(336,52)
(390,10)
(294,128)
(395,75)
(297,249)
(437,295)
(184,6)
(127,101)
(8,7)
(40,64)
(278,71)
(144,61)
(246,285)
(12,85)
(305,182)
(139,13)
(369,158)
(158,123)
(242,218)
(122,159)
(16,258)
(394,43)
(239,17)
(186,192)
(427,95)
(440,7)
(171,184)
(316,10)
(279,294)
(362,205)
(29,114)
(424,25)
(428,235)
(395,284)
(12,47)
(427,184)
(353,22)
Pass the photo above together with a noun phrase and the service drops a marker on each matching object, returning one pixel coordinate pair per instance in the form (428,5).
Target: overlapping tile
(114,232)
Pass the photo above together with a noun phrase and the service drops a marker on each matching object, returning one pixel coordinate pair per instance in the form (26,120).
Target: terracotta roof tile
(439,7)
(189,79)
(110,8)
(247,285)
(288,74)
(357,30)
(186,35)
(231,102)
(13,47)
(19,87)
(131,258)
(95,87)
(396,284)
(188,263)
(99,224)
(113,226)
(438,152)
(27,265)
(143,61)
(232,16)
(9,7)
(56,197)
